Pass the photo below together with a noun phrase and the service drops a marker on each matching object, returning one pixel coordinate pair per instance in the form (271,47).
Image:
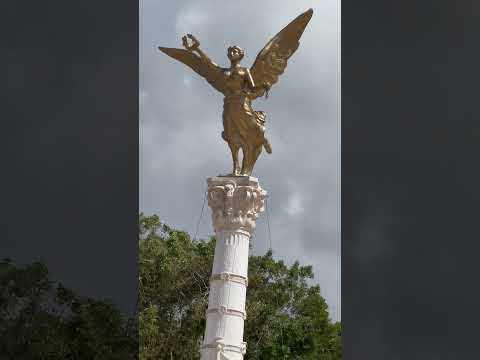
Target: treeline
(42,319)
(286,318)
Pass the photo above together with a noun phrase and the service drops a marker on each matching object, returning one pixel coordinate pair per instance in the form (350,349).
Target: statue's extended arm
(215,76)
(195,46)
(207,60)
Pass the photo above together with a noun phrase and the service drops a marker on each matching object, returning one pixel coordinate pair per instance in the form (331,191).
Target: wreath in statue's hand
(193,46)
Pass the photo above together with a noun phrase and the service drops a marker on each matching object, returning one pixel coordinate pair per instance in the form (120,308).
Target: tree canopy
(41,319)
(287,318)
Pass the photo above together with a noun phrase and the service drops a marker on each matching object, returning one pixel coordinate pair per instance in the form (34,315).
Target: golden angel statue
(243,127)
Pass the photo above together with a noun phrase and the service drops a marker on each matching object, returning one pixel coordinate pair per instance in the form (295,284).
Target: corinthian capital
(236,202)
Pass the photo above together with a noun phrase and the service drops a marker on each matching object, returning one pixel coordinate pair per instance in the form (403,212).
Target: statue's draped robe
(240,121)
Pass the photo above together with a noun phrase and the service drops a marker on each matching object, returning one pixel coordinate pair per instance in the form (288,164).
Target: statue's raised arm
(200,63)
(195,46)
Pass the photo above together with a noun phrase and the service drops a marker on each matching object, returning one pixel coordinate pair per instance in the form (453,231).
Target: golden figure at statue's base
(243,127)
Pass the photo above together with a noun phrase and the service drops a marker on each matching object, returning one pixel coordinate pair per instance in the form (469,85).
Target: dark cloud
(71,141)
(409,184)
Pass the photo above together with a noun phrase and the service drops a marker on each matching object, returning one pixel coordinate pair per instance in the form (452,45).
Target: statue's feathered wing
(272,60)
(214,76)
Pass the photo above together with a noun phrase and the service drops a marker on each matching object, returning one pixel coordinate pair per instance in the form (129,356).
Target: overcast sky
(180,126)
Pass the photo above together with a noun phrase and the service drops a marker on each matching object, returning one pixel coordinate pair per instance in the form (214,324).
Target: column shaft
(236,202)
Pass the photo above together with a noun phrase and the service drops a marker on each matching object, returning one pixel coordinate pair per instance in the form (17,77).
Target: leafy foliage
(287,318)
(43,320)
(174,274)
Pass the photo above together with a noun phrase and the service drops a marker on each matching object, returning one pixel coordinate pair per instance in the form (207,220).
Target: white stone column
(236,202)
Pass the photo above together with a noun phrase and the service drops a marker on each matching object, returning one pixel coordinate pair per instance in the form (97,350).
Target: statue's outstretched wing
(214,75)
(272,60)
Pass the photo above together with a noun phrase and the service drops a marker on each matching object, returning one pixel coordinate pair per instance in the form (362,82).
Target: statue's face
(235,53)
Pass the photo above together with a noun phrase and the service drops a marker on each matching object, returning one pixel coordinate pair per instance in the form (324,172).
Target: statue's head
(235,53)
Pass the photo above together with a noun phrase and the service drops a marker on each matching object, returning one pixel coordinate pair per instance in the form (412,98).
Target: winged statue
(243,127)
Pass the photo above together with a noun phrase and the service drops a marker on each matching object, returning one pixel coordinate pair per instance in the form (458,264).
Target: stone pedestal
(236,202)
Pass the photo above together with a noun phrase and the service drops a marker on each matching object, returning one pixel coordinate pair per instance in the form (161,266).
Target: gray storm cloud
(180,126)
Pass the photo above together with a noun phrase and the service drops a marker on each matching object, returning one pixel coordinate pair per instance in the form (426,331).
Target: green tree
(40,319)
(287,318)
